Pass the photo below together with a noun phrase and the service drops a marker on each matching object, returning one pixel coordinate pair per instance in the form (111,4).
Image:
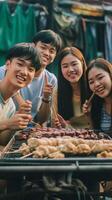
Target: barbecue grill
(82,167)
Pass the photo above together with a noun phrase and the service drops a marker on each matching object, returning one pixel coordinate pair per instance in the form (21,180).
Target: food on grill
(32,142)
(44,151)
(105,154)
(24,149)
(53,132)
(83,149)
(56,155)
(57,143)
(68,147)
(99,147)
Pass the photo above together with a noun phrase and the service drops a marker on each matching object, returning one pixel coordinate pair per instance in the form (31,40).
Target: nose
(96,84)
(47,52)
(70,68)
(24,70)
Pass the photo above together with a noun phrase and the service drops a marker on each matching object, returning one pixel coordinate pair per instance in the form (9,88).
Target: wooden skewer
(90,99)
(30,154)
(11,152)
(37,124)
(16,151)
(54,112)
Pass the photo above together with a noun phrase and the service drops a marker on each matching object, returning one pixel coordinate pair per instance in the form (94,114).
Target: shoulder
(2,71)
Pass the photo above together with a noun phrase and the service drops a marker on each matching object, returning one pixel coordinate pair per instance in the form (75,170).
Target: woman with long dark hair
(71,87)
(99,76)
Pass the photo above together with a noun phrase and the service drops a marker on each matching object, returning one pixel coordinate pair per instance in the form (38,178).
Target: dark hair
(27,52)
(65,92)
(49,37)
(97,102)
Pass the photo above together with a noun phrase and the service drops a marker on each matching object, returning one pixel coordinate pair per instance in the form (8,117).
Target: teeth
(20,78)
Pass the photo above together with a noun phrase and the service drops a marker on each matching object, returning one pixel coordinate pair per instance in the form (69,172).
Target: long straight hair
(97,102)
(65,91)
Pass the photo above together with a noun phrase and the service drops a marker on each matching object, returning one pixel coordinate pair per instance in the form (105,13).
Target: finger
(60,117)
(28,102)
(26,116)
(46,80)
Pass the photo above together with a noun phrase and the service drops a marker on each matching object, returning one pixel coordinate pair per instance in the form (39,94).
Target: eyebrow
(25,62)
(100,74)
(72,62)
(52,47)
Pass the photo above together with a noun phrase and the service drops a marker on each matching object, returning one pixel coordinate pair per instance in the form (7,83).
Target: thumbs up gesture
(48,88)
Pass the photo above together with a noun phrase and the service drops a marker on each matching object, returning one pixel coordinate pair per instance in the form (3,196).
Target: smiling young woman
(99,76)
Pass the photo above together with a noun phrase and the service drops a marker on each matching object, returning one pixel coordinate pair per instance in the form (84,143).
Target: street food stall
(56,162)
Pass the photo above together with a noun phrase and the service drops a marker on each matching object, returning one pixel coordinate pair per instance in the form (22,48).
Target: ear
(8,62)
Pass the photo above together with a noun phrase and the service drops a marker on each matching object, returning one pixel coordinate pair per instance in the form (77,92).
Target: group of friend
(29,92)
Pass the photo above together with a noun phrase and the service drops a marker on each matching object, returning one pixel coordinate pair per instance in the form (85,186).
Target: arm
(45,108)
(44,111)
(86,108)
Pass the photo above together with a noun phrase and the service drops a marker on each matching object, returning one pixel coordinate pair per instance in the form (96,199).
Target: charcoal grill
(11,163)
(13,168)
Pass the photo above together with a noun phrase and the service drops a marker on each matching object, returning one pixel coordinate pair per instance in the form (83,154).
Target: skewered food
(53,132)
(104,154)
(83,149)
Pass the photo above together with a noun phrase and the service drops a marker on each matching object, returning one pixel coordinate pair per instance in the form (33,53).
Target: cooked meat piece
(32,142)
(56,155)
(104,154)
(83,148)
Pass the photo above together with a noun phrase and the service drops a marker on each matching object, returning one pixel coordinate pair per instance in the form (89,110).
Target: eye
(52,51)
(43,47)
(31,69)
(91,82)
(100,77)
(19,64)
(64,66)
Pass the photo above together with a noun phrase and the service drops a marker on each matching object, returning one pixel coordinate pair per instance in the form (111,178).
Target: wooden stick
(16,151)
(37,124)
(54,112)
(11,152)
(90,99)
(27,155)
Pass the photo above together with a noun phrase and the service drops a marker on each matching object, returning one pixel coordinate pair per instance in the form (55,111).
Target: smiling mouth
(100,90)
(20,78)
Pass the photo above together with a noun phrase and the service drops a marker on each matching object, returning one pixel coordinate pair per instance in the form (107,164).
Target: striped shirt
(106,121)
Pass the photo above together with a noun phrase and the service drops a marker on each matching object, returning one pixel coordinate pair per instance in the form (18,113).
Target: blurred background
(86,24)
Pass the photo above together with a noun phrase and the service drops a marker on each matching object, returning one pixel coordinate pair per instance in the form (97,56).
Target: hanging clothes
(108,38)
(90,40)
(19,26)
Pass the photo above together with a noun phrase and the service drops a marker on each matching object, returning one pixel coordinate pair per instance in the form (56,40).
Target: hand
(18,121)
(25,107)
(48,88)
(60,122)
(86,107)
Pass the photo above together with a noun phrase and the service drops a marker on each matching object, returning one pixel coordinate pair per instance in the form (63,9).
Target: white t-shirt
(7,109)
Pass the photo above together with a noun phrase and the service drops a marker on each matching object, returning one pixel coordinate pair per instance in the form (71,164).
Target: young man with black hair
(41,89)
(39,92)
(22,62)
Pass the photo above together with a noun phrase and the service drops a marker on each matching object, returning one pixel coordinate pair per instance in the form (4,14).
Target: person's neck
(37,74)
(7,90)
(76,89)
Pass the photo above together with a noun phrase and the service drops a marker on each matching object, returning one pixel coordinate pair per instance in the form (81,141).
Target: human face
(20,72)
(100,82)
(47,52)
(71,68)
